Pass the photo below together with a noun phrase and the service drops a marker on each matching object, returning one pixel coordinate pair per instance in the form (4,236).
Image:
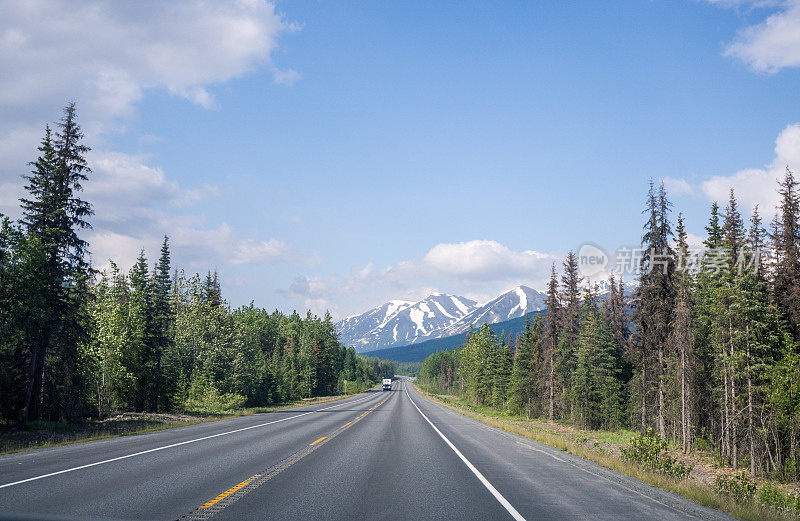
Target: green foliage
(779,499)
(210,400)
(596,387)
(740,487)
(524,387)
(650,451)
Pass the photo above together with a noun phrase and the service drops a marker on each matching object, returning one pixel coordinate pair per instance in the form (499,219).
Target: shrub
(779,499)
(740,487)
(210,400)
(650,451)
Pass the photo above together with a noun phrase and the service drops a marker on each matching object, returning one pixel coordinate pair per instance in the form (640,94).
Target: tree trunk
(644,402)
(750,416)
(552,385)
(725,417)
(684,437)
(33,391)
(733,414)
(661,425)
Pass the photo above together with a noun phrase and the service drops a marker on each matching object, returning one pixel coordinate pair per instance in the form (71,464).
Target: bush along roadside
(742,489)
(650,451)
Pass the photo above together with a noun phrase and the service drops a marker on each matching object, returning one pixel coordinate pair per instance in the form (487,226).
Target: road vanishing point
(378,455)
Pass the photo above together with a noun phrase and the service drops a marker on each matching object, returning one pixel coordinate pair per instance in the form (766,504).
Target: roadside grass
(38,435)
(577,442)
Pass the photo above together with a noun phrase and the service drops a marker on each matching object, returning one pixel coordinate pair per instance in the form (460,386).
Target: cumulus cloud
(482,260)
(773,44)
(478,269)
(758,186)
(250,251)
(107,56)
(285,77)
(753,186)
(677,186)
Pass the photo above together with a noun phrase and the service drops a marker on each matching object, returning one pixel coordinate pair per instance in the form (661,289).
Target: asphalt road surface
(378,455)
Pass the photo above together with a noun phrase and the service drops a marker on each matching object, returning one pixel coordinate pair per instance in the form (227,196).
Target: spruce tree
(597,390)
(523,389)
(551,338)
(569,326)
(655,300)
(163,317)
(54,214)
(682,336)
(786,241)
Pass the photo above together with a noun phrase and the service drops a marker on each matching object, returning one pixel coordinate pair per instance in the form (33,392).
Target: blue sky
(334,155)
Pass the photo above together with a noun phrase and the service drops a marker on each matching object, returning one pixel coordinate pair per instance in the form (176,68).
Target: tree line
(75,343)
(704,351)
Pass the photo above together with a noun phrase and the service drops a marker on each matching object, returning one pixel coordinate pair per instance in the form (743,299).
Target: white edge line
(497,495)
(622,485)
(540,450)
(156,449)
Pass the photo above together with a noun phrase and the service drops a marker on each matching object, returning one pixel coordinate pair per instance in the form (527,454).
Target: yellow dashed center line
(257,479)
(227,493)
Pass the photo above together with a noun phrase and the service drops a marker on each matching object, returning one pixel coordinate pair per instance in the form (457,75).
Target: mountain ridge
(439,315)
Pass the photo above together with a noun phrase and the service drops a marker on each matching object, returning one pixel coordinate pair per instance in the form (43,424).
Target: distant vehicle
(387,384)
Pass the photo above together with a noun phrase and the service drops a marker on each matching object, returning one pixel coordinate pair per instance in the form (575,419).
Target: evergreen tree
(655,301)
(551,339)
(682,336)
(54,214)
(786,240)
(523,389)
(597,391)
(569,326)
(163,318)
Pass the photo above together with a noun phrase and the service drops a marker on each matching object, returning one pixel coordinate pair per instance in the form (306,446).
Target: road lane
(164,484)
(544,483)
(391,465)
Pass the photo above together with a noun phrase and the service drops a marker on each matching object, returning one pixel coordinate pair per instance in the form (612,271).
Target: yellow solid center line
(224,495)
(348,423)
(319,440)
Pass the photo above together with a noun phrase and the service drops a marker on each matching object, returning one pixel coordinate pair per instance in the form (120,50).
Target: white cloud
(250,251)
(759,186)
(285,77)
(482,260)
(136,204)
(677,186)
(107,56)
(773,44)
(752,186)
(478,269)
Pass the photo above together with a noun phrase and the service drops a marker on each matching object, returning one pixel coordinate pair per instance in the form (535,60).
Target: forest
(76,343)
(704,352)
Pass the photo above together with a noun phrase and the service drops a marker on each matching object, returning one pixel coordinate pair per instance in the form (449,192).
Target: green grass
(37,435)
(574,441)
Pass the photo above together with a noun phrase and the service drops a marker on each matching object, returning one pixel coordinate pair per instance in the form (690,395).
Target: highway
(377,455)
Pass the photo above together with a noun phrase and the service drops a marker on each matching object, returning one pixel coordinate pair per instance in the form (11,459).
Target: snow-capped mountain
(511,304)
(356,327)
(400,322)
(602,287)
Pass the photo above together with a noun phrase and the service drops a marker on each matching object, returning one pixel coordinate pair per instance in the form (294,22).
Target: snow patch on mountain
(400,322)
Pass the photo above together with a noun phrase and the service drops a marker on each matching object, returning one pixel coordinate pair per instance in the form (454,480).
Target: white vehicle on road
(387,384)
